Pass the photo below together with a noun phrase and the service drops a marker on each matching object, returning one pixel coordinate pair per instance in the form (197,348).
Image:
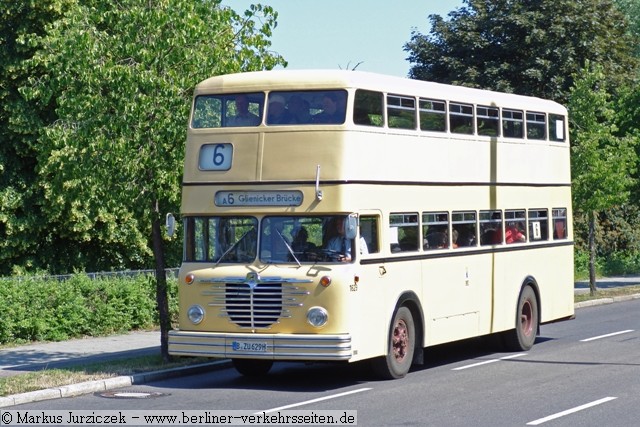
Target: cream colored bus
(343,216)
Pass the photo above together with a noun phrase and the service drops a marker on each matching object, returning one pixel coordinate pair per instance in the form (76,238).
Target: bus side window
(487,121)
(463,226)
(369,234)
(433,115)
(536,125)
(461,118)
(404,232)
(367,108)
(514,229)
(559,223)
(538,224)
(512,124)
(435,230)
(556,128)
(490,228)
(401,112)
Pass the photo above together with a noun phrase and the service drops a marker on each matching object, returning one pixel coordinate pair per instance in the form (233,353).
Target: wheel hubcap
(526,318)
(400,340)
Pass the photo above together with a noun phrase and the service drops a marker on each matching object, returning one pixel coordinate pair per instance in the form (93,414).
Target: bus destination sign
(258,198)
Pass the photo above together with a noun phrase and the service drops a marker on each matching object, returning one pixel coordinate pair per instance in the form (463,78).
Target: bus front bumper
(263,346)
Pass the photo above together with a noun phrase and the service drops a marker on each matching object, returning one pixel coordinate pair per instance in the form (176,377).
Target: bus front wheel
(252,367)
(401,345)
(524,335)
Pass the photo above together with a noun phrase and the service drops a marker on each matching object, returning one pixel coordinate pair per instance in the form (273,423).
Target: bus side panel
(457,297)
(374,300)
(552,270)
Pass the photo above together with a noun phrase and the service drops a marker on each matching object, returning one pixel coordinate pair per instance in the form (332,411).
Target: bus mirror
(350,227)
(170,223)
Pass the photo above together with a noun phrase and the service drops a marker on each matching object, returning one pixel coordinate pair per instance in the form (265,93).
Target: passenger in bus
(336,242)
(331,112)
(300,243)
(243,116)
(277,114)
(436,240)
(512,234)
(298,110)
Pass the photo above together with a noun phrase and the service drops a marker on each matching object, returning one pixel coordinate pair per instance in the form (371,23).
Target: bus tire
(400,349)
(252,367)
(527,316)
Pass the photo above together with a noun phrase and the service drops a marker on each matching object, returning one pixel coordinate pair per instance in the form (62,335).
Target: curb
(110,383)
(602,301)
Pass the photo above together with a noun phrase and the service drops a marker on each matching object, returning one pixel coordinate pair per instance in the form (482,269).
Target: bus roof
(332,79)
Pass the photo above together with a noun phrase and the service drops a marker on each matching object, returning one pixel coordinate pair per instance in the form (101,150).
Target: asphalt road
(582,372)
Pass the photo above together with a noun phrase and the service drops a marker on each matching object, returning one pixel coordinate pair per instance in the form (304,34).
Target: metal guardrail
(170,273)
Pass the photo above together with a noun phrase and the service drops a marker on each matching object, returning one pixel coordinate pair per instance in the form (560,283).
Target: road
(582,372)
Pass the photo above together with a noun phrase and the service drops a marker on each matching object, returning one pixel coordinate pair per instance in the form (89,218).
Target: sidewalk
(582,286)
(49,355)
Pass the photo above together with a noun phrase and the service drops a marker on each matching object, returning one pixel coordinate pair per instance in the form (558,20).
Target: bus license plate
(257,347)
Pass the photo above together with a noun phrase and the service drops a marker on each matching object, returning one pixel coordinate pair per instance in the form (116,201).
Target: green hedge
(36,309)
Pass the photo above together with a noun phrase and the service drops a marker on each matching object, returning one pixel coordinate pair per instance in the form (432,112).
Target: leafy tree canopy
(121,76)
(602,163)
(526,47)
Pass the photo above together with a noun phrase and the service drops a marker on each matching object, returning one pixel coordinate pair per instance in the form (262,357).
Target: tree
(631,9)
(22,232)
(122,75)
(526,47)
(602,163)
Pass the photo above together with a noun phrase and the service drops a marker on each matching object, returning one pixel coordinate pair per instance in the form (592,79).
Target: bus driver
(337,242)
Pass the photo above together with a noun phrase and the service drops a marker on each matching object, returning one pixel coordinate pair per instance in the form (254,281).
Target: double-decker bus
(343,215)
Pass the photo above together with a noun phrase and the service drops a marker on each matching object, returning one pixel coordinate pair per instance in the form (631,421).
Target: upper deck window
(512,124)
(556,128)
(368,108)
(461,118)
(306,107)
(240,109)
(487,120)
(401,111)
(536,125)
(433,115)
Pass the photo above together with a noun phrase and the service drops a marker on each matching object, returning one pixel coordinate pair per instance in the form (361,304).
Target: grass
(608,293)
(49,378)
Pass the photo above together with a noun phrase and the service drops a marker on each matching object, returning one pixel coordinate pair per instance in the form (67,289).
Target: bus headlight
(317,316)
(195,314)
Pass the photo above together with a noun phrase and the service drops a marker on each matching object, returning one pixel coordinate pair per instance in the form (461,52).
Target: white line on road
(570,411)
(488,361)
(607,335)
(306,402)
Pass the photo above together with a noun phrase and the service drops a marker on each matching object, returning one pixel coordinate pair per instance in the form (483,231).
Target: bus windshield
(281,239)
(319,107)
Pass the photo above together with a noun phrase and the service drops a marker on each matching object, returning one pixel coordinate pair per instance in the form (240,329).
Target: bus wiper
(289,248)
(233,246)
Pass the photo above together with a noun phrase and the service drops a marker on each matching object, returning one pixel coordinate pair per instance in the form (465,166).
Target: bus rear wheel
(399,357)
(524,335)
(252,367)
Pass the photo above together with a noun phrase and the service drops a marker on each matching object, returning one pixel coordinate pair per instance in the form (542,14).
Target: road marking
(570,411)
(460,368)
(306,402)
(607,335)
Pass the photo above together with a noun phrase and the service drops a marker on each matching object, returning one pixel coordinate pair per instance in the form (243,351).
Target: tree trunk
(592,253)
(162,298)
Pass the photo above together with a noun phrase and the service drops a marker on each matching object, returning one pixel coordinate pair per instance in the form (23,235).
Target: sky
(340,34)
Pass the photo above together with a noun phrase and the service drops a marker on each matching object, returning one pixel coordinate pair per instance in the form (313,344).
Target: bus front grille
(256,303)
(259,307)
